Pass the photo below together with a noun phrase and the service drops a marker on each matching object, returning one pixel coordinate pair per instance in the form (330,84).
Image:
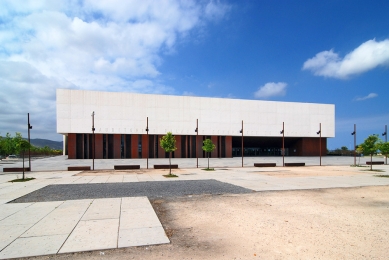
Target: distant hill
(43,142)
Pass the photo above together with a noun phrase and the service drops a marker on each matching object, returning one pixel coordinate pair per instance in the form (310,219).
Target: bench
(126,167)
(295,164)
(19,169)
(374,162)
(264,164)
(79,168)
(165,166)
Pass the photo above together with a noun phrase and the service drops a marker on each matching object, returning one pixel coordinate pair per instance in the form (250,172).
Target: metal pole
(93,137)
(147,132)
(197,135)
(29,151)
(283,144)
(320,143)
(386,140)
(355,144)
(242,143)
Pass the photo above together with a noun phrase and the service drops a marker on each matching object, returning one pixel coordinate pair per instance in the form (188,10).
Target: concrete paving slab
(135,202)
(130,178)
(92,235)
(142,236)
(115,178)
(31,214)
(144,177)
(9,233)
(33,246)
(103,209)
(9,209)
(85,179)
(60,221)
(138,218)
(100,179)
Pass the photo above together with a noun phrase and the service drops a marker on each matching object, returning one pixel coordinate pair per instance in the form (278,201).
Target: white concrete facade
(126,113)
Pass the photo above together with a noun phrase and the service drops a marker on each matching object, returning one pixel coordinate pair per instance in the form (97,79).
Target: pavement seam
(120,215)
(75,226)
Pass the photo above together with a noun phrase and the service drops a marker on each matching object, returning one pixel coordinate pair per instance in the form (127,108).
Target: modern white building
(121,120)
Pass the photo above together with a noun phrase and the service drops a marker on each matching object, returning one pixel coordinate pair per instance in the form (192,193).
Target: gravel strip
(156,189)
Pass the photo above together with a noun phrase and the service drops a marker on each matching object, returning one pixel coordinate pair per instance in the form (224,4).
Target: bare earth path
(347,223)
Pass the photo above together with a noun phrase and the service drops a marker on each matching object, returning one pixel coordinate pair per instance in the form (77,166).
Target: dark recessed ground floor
(116,146)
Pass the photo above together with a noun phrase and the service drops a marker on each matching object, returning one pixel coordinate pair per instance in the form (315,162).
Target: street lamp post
(283,144)
(147,132)
(93,140)
(319,132)
(29,127)
(197,135)
(386,140)
(241,131)
(355,144)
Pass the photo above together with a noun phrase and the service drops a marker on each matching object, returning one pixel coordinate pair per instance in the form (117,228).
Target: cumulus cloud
(271,89)
(367,56)
(371,95)
(107,45)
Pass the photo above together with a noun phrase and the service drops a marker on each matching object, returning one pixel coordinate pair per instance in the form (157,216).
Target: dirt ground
(348,223)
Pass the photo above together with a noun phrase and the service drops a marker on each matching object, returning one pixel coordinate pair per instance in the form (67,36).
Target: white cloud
(371,95)
(106,45)
(271,89)
(367,56)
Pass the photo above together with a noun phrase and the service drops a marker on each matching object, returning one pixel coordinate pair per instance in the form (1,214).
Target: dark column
(134,146)
(144,146)
(228,146)
(214,140)
(199,146)
(72,146)
(117,140)
(178,152)
(99,146)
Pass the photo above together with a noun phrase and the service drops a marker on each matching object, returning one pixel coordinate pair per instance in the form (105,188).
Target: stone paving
(42,228)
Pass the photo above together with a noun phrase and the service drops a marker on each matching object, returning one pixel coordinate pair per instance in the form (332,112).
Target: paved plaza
(86,221)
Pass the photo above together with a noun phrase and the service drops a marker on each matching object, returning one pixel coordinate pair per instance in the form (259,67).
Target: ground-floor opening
(116,146)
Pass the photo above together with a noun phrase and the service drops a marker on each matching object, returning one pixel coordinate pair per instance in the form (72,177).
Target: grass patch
(22,180)
(170,176)
(373,170)
(382,176)
(208,169)
(358,165)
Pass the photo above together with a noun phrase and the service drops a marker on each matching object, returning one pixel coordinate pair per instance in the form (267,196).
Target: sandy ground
(349,223)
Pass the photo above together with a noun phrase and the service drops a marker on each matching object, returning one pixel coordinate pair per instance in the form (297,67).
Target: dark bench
(165,166)
(375,162)
(126,167)
(264,164)
(20,169)
(295,164)
(79,168)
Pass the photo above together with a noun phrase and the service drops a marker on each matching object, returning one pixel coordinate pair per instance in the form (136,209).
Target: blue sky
(333,52)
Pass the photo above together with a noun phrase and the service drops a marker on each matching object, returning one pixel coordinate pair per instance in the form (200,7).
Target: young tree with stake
(168,143)
(208,147)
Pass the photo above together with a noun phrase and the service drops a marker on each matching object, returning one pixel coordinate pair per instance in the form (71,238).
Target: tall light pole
(319,132)
(241,131)
(283,144)
(29,127)
(93,140)
(197,135)
(147,132)
(355,144)
(386,140)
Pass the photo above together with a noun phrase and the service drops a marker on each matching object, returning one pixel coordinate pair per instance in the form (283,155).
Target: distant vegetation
(11,145)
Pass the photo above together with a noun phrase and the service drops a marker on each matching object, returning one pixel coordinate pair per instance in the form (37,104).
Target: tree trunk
(208,160)
(371,162)
(170,164)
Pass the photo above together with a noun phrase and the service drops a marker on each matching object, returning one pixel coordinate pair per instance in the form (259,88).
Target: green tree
(370,146)
(168,143)
(384,148)
(23,146)
(208,147)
